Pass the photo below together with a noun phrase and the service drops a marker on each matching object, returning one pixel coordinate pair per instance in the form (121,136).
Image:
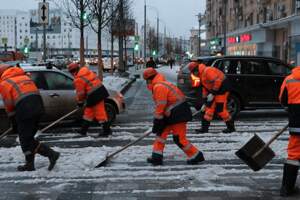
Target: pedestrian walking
(24,106)
(91,95)
(215,92)
(171,62)
(290,97)
(150,63)
(171,115)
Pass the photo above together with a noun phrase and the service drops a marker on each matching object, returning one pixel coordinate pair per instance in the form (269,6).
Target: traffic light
(136,47)
(26,50)
(84,15)
(153,53)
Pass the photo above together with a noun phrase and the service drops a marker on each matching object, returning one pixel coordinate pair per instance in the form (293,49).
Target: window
(256,67)
(278,68)
(39,80)
(57,81)
(229,66)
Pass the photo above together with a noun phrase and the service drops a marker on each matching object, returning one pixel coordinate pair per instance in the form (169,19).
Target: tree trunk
(82,61)
(100,62)
(112,53)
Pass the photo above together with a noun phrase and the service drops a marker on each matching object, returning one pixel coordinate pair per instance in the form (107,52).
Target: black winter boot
(230,127)
(52,155)
(106,130)
(156,159)
(205,125)
(194,161)
(29,164)
(84,127)
(290,173)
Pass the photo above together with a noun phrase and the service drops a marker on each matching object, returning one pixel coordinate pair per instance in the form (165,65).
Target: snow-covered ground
(215,174)
(115,82)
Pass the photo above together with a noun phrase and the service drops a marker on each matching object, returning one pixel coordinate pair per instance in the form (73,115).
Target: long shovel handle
(271,140)
(60,119)
(3,135)
(146,134)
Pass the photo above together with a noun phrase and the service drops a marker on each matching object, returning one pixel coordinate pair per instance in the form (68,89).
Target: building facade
(255,27)
(20,29)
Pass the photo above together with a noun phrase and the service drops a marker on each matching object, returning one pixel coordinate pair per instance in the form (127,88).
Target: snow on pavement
(77,164)
(115,82)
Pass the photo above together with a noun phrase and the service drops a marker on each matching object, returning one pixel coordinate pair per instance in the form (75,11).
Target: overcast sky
(178,15)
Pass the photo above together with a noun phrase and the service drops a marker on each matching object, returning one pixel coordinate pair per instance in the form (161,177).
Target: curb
(127,86)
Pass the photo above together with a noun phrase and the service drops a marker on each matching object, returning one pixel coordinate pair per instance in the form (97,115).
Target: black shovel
(256,153)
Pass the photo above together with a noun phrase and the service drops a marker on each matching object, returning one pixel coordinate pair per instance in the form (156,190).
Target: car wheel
(111,112)
(233,106)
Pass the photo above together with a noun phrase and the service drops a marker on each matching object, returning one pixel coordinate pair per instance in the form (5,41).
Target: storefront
(249,43)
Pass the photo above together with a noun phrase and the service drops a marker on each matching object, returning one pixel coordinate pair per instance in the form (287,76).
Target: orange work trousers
(96,112)
(179,136)
(219,105)
(294,148)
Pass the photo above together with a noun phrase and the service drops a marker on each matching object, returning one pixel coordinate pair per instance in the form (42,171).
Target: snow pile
(115,82)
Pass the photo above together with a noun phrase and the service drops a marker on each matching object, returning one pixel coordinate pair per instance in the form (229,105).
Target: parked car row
(57,91)
(255,81)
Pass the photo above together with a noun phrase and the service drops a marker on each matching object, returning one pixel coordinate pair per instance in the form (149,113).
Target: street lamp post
(225,27)
(199,33)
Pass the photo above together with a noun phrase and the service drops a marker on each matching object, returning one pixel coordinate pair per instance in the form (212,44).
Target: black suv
(255,81)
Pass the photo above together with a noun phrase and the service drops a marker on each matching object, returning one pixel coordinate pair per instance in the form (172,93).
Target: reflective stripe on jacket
(166,96)
(86,82)
(15,86)
(290,96)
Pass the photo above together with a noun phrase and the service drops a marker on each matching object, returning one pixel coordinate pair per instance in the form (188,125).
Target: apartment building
(20,29)
(255,27)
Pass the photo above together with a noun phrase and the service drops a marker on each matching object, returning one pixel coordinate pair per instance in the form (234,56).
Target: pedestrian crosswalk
(128,174)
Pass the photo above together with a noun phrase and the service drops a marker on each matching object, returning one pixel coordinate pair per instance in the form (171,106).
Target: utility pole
(157,36)
(44,40)
(145,31)
(199,33)
(121,32)
(225,27)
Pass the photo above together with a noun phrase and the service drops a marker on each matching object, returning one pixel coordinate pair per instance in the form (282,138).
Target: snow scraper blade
(108,157)
(255,153)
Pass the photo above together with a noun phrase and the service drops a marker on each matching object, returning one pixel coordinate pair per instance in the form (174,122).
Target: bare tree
(152,39)
(169,46)
(77,11)
(100,18)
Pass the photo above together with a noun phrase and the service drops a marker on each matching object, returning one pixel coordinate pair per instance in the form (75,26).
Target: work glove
(80,104)
(210,98)
(158,126)
(203,108)
(14,125)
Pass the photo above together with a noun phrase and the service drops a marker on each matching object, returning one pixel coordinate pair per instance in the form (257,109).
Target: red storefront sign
(240,39)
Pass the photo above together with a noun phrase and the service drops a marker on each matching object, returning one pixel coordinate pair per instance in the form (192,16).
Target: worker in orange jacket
(215,91)
(24,107)
(171,115)
(91,93)
(290,97)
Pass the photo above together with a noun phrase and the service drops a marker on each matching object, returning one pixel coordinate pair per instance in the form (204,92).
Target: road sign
(26,40)
(43,12)
(4,40)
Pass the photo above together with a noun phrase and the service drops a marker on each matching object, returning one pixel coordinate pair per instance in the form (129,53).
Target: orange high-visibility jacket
(211,79)
(290,96)
(166,96)
(86,82)
(15,86)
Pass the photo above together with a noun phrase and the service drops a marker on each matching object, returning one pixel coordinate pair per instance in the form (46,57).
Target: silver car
(57,91)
